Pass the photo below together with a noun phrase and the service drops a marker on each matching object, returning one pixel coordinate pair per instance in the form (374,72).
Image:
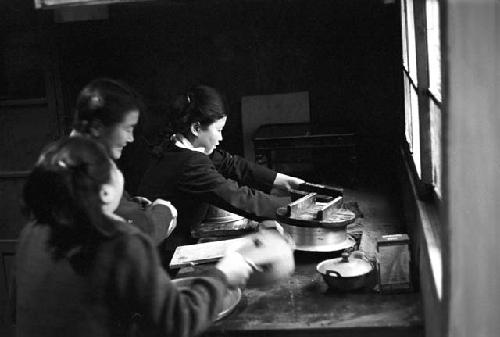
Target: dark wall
(345,53)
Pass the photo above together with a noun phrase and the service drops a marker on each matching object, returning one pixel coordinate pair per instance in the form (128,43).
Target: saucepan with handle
(351,271)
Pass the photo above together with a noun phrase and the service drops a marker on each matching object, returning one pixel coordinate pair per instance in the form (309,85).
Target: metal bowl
(229,303)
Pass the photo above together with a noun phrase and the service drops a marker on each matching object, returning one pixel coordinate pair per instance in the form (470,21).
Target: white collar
(183,142)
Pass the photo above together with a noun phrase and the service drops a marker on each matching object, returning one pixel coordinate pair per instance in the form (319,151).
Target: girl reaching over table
(84,271)
(108,111)
(192,173)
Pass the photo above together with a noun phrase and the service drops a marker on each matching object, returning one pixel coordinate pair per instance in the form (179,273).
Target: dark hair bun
(104,101)
(200,104)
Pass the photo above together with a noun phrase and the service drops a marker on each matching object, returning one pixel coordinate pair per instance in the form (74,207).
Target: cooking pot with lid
(348,272)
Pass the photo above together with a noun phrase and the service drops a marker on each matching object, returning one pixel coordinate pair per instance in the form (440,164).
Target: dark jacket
(102,296)
(192,180)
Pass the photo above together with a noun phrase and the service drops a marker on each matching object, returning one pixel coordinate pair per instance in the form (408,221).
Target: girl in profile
(193,173)
(82,270)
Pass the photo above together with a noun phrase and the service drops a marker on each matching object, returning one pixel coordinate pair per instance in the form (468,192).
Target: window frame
(420,145)
(428,197)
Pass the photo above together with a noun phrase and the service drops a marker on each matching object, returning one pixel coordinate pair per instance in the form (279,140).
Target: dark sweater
(71,297)
(192,180)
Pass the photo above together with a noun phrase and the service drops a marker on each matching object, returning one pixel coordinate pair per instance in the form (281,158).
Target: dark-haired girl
(108,111)
(192,173)
(84,271)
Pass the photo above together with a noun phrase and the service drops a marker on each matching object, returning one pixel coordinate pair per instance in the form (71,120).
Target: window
(422,94)
(421,48)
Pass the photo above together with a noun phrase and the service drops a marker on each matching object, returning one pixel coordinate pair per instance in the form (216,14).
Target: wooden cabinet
(310,151)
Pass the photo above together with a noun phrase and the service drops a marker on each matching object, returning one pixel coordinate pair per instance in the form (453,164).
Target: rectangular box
(394,263)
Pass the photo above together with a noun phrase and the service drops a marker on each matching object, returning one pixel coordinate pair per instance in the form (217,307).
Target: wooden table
(303,306)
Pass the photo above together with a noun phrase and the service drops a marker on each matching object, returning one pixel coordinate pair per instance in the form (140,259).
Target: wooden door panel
(24,131)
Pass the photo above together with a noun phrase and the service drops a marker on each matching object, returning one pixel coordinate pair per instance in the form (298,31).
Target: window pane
(412,55)
(408,119)
(412,122)
(415,146)
(404,36)
(435,115)
(434,48)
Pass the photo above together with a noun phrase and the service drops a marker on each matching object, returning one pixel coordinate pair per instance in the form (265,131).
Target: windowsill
(428,216)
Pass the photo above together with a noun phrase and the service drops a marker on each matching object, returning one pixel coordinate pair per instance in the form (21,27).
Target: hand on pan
(272,224)
(284,183)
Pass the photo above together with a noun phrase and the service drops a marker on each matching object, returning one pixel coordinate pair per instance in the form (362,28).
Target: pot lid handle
(345,257)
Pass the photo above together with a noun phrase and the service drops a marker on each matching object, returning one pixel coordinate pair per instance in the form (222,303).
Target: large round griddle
(340,219)
(317,226)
